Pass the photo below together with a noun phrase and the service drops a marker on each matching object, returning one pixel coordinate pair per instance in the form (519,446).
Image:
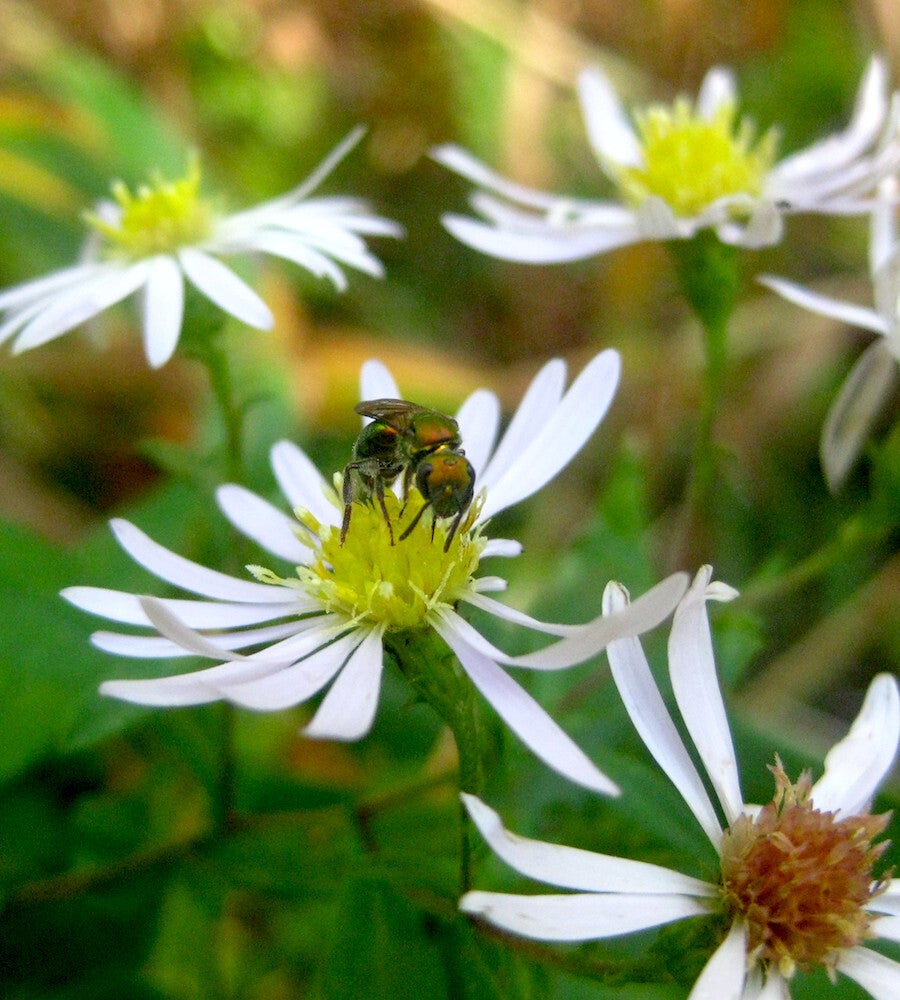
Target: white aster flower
(796,881)
(331,618)
(151,241)
(678,170)
(871,380)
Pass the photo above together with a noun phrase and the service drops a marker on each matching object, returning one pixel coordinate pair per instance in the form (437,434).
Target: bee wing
(395,412)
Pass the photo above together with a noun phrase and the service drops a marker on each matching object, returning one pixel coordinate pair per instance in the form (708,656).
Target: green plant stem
(708,273)
(435,674)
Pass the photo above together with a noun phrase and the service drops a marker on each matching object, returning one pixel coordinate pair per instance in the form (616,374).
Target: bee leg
(452,531)
(416,520)
(347,496)
(379,492)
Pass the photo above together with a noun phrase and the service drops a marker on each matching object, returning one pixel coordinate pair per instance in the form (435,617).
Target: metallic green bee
(421,444)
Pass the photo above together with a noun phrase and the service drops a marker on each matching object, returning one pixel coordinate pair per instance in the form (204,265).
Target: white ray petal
(48,286)
(156,647)
(877,974)
(70,309)
(479,419)
(563,434)
(844,312)
(499,610)
(654,725)
(723,975)
(887,927)
(692,668)
(555,245)
(609,131)
(302,483)
(348,710)
(887,901)
(263,523)
(855,409)
(526,718)
(160,692)
(223,287)
(163,309)
(294,684)
(541,397)
(718,89)
(573,868)
(856,766)
(376,382)
(579,916)
(189,575)
(504,548)
(290,247)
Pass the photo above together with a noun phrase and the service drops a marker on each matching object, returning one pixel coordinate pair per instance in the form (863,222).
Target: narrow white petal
(555,245)
(692,668)
(765,986)
(505,548)
(190,575)
(883,226)
(290,247)
(579,916)
(887,901)
(763,228)
(573,868)
(489,584)
(156,647)
(564,433)
(541,397)
(879,975)
(163,310)
(159,693)
(327,165)
(526,718)
(654,725)
(376,382)
(723,975)
(223,287)
(718,88)
(887,927)
(259,520)
(854,411)
(609,131)
(585,641)
(479,420)
(294,684)
(68,310)
(348,710)
(844,312)
(302,483)
(856,766)
(506,613)
(656,220)
(44,288)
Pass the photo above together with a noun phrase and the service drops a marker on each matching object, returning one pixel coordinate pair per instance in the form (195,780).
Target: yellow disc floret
(371,580)
(159,217)
(690,161)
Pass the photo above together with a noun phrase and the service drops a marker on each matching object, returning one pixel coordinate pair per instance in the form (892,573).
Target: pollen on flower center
(800,878)
(691,161)
(395,585)
(159,217)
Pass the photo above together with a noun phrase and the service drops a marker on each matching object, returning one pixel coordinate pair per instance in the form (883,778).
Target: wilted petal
(580,916)
(573,868)
(695,685)
(879,975)
(856,766)
(723,975)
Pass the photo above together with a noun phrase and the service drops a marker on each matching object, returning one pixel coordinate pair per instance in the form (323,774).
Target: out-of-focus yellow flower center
(800,878)
(375,582)
(690,161)
(159,217)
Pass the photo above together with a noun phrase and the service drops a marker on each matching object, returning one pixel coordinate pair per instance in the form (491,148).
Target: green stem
(708,273)
(435,674)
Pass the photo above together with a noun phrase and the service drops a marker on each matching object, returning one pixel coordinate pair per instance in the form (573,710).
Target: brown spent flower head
(800,878)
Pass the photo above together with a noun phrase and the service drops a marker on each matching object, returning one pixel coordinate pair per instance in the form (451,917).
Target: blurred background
(112,881)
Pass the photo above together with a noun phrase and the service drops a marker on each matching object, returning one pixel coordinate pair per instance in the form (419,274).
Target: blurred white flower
(796,880)
(151,241)
(331,618)
(679,170)
(872,379)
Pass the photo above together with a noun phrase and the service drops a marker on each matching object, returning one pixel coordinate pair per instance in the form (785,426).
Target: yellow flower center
(159,217)
(800,878)
(373,581)
(690,161)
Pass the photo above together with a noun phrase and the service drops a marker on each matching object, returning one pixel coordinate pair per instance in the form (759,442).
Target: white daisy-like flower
(872,379)
(677,170)
(342,603)
(796,884)
(166,233)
